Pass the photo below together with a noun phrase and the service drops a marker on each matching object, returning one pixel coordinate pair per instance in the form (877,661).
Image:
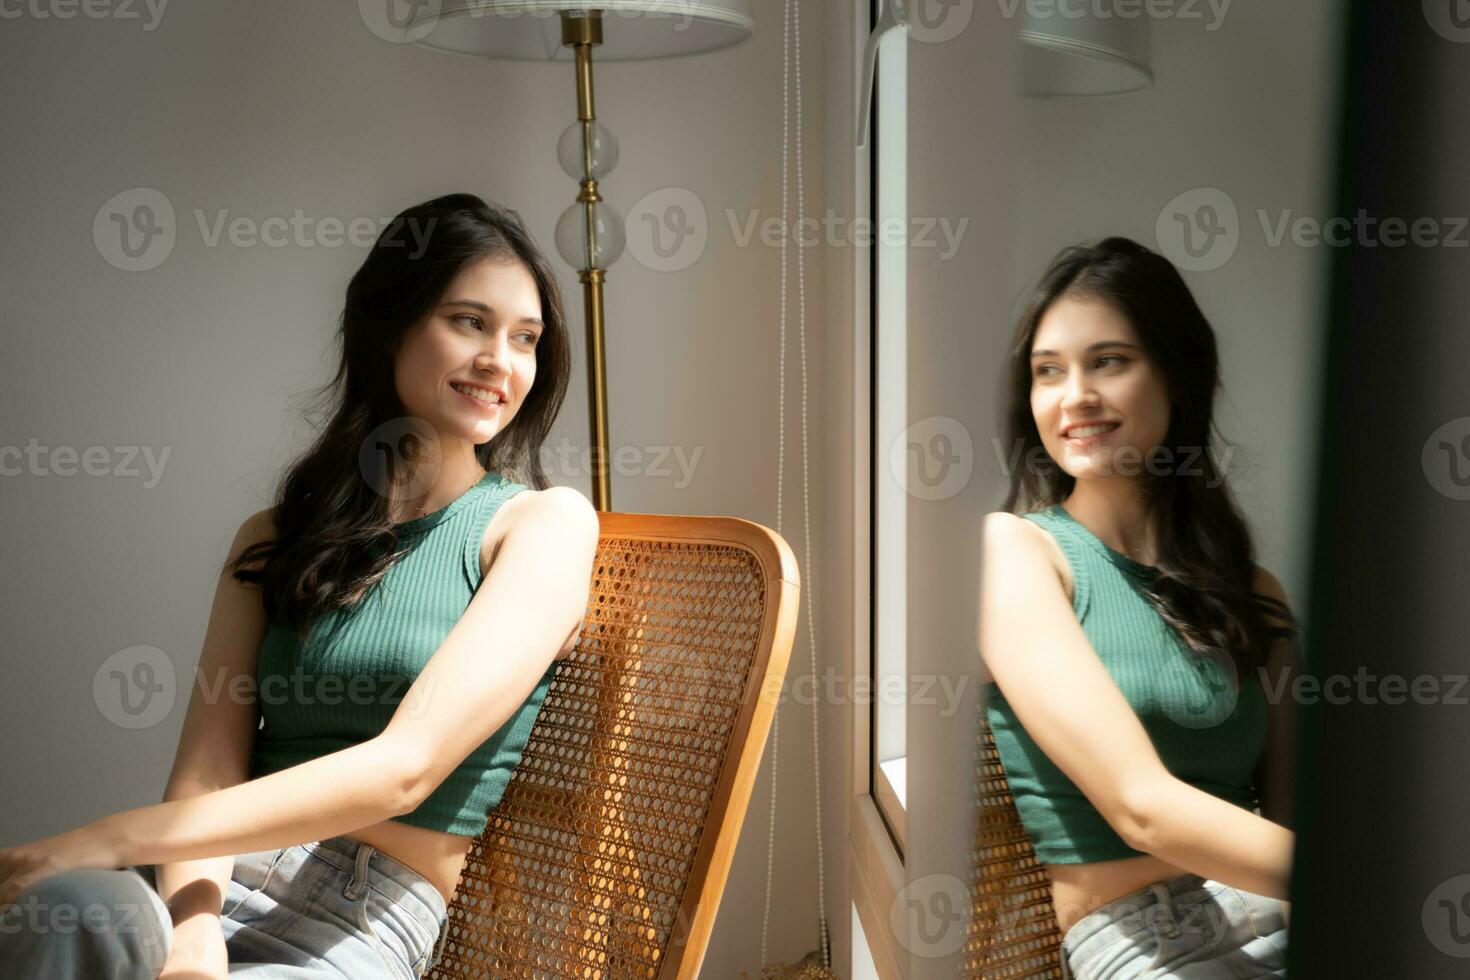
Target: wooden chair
(1013,929)
(607,855)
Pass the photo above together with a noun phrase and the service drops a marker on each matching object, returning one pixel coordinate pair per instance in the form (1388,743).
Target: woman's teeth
(480,393)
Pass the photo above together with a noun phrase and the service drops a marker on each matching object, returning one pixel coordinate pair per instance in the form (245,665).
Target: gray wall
(1247,110)
(262,109)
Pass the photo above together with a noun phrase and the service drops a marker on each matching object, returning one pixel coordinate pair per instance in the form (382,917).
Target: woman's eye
(472,317)
(1047,369)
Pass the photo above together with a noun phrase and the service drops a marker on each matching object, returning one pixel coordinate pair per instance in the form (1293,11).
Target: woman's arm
(1275,775)
(1067,701)
(1210,837)
(218,733)
(530,603)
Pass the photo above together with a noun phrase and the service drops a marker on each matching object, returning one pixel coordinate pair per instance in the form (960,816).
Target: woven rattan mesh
(582,868)
(1013,927)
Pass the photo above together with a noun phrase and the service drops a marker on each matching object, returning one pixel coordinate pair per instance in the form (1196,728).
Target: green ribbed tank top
(341,686)
(1208,729)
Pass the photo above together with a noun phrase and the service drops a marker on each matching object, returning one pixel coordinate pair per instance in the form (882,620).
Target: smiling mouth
(488,402)
(1086,433)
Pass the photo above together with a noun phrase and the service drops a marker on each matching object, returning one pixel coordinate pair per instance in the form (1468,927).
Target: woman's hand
(198,950)
(24,866)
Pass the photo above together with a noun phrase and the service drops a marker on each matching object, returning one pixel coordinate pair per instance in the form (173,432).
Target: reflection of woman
(396,694)
(1126,625)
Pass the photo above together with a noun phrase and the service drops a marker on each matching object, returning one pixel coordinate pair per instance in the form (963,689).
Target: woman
(395,694)
(1125,625)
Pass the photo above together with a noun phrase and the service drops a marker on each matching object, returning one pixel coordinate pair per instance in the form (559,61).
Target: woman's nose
(1078,391)
(494,357)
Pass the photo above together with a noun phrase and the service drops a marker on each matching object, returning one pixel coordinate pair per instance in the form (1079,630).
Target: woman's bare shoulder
(521,507)
(1013,528)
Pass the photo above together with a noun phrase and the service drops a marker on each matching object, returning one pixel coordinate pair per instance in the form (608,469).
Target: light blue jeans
(1184,928)
(333,908)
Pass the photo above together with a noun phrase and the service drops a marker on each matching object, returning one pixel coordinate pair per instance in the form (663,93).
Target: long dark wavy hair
(1204,587)
(334,540)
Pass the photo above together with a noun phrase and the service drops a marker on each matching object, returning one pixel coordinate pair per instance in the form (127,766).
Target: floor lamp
(589,234)
(1064,54)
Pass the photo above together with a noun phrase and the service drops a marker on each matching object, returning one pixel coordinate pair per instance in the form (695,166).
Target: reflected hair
(1205,582)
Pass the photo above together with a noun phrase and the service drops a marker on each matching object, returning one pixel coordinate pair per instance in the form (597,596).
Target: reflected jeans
(325,910)
(1184,928)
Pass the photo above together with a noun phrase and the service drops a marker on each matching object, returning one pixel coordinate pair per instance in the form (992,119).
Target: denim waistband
(1132,905)
(397,880)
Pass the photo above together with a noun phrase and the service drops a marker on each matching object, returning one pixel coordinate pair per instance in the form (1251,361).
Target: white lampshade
(530,30)
(1083,54)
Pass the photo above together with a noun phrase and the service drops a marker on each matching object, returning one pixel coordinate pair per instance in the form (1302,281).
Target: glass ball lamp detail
(604,147)
(600,156)
(571,235)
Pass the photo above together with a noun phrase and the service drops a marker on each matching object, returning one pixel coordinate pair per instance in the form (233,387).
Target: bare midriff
(436,855)
(1078,889)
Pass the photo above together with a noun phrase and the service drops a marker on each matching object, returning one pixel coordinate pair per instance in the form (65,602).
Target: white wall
(264,108)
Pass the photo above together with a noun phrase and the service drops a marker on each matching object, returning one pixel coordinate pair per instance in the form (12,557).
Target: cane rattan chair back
(1013,928)
(607,855)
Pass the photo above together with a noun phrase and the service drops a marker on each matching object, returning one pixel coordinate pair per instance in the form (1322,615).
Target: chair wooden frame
(1013,929)
(607,856)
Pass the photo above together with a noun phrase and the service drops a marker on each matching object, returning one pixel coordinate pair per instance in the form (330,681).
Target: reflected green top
(1208,728)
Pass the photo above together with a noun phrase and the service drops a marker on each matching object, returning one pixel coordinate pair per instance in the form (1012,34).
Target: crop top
(342,686)
(1208,730)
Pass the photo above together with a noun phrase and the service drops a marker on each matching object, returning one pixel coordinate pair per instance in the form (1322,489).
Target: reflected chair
(1013,930)
(606,857)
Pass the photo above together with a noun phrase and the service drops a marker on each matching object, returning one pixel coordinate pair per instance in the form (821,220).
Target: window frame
(875,855)
(887,501)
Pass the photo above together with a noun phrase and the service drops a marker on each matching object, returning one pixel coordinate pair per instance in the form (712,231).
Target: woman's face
(1087,367)
(481,335)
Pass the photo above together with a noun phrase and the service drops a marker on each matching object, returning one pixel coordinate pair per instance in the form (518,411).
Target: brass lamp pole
(589,234)
(581,32)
